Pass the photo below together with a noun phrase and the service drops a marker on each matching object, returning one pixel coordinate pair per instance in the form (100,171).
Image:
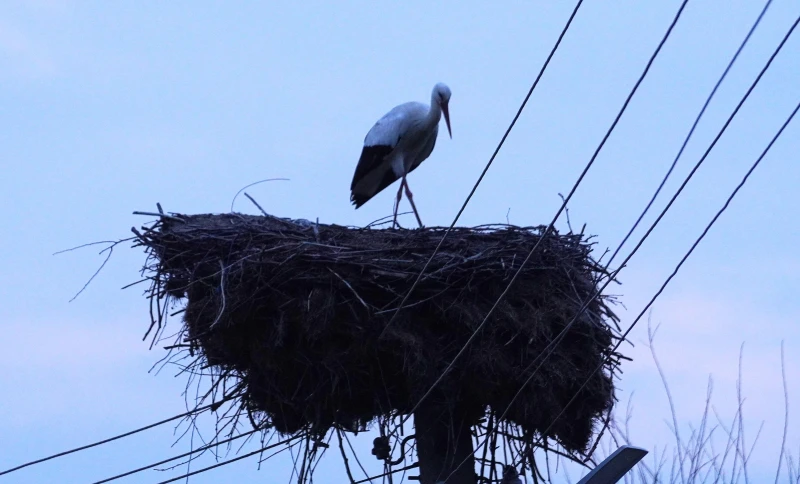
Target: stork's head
(441,96)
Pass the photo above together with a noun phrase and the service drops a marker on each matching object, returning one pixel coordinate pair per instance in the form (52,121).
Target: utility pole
(444,442)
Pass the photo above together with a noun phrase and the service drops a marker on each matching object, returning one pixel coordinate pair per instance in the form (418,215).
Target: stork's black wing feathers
(360,199)
(372,159)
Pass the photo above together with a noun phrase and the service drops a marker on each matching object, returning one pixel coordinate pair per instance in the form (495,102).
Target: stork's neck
(434,112)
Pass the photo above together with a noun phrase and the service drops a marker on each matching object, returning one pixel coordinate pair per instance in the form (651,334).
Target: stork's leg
(397,204)
(411,201)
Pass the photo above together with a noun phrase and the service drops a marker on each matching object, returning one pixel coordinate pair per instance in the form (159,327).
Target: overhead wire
(558,214)
(486,168)
(702,159)
(691,132)
(235,459)
(186,454)
(111,439)
(663,286)
(550,348)
(684,258)
(557,339)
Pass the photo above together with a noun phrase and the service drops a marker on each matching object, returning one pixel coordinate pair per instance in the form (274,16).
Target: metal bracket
(614,466)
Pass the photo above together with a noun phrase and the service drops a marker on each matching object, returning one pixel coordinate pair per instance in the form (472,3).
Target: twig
(134,283)
(785,415)
(651,333)
(349,287)
(222,292)
(741,439)
(110,249)
(256,204)
(355,456)
(161,215)
(566,211)
(250,185)
(110,242)
(384,220)
(344,457)
(599,436)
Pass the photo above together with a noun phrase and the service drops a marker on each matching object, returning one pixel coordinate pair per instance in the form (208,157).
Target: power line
(685,257)
(186,454)
(624,335)
(111,439)
(691,131)
(231,461)
(664,285)
(558,214)
(491,160)
(551,346)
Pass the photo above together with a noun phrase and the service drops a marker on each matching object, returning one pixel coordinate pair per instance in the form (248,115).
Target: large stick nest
(293,312)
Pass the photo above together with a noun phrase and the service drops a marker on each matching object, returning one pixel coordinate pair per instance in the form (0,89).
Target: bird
(396,145)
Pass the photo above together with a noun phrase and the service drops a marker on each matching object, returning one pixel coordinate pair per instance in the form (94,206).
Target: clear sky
(110,107)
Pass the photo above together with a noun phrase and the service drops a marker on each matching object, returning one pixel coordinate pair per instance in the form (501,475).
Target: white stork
(396,146)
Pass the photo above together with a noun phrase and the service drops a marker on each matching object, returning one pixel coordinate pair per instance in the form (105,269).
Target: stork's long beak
(446,112)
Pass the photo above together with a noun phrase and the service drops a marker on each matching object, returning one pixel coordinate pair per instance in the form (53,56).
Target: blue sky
(110,107)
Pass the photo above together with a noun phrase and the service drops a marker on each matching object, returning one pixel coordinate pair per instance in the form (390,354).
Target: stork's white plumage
(396,145)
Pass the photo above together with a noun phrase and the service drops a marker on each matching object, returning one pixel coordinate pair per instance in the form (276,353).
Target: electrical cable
(683,259)
(691,132)
(186,454)
(231,461)
(558,214)
(110,439)
(489,164)
(624,335)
